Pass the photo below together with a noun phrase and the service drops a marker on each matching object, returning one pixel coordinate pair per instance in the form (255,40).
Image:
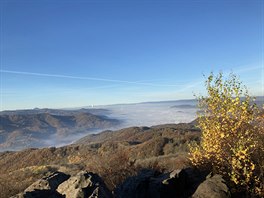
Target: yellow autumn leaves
(227,119)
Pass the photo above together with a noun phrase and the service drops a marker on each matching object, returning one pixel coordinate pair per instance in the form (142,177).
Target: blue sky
(69,53)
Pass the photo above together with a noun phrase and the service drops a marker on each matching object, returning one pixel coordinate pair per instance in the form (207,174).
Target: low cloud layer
(141,114)
(149,114)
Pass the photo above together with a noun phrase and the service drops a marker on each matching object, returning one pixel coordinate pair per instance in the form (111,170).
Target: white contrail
(85,78)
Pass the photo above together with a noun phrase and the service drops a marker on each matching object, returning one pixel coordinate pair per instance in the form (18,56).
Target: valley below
(128,148)
(113,155)
(38,128)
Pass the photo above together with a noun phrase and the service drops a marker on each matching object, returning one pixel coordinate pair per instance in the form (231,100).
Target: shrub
(113,168)
(228,120)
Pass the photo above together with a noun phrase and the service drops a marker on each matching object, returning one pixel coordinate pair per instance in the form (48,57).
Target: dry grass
(113,155)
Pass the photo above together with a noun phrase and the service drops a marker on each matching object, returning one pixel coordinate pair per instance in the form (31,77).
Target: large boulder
(45,187)
(148,183)
(181,183)
(212,187)
(142,185)
(60,185)
(50,182)
(84,185)
(175,185)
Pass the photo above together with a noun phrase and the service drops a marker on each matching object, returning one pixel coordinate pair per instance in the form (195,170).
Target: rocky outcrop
(212,187)
(60,185)
(50,182)
(175,185)
(84,185)
(178,184)
(145,184)
(182,183)
(45,187)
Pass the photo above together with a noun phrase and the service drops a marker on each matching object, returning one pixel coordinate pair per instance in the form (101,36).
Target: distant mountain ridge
(95,111)
(55,127)
(18,131)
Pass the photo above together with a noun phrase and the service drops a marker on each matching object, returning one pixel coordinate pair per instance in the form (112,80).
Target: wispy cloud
(249,68)
(86,78)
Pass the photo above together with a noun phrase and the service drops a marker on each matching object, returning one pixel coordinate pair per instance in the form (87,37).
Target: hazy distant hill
(94,111)
(18,130)
(186,106)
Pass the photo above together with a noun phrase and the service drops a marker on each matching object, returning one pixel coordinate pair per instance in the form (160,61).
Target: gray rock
(42,194)
(45,187)
(143,185)
(84,185)
(175,185)
(50,182)
(148,183)
(60,185)
(212,187)
(20,195)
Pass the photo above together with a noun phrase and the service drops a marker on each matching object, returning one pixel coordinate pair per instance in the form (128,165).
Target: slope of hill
(114,155)
(18,131)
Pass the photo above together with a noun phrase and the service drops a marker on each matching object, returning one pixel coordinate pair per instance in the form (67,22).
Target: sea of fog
(138,114)
(153,113)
